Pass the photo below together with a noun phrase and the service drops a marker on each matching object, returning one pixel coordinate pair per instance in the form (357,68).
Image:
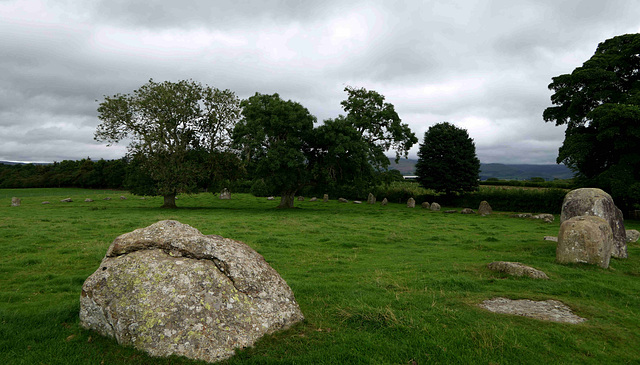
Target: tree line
(186,137)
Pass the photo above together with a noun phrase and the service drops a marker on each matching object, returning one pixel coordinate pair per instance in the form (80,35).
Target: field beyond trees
(378,285)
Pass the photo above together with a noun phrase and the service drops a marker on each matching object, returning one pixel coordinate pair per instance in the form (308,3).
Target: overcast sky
(481,65)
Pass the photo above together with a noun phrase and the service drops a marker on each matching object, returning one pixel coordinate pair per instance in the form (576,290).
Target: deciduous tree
(599,103)
(447,160)
(173,128)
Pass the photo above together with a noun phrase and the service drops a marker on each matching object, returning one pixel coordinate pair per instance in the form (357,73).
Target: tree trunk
(169,201)
(287,200)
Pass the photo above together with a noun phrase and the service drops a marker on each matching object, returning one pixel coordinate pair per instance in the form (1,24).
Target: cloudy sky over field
(482,65)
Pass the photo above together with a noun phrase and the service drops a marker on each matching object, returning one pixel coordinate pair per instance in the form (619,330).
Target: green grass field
(378,285)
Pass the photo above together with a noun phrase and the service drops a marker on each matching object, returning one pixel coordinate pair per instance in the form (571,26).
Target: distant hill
(500,171)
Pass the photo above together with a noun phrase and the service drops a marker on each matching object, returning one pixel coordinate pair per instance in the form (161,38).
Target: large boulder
(435,207)
(596,202)
(586,239)
(168,289)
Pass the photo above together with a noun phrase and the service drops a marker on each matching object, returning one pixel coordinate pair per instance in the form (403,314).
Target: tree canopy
(175,131)
(274,137)
(599,103)
(447,160)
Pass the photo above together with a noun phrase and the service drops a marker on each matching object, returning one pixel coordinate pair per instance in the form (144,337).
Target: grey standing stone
(485,208)
(301,198)
(425,205)
(107,198)
(596,202)
(371,199)
(168,289)
(225,194)
(15,202)
(325,198)
(632,235)
(585,239)
(384,201)
(435,207)
(411,203)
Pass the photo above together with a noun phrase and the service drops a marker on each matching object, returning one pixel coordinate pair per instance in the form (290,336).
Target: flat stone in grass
(551,238)
(46,202)
(516,269)
(357,202)
(67,200)
(88,200)
(343,200)
(548,310)
(467,211)
(314,199)
(122,197)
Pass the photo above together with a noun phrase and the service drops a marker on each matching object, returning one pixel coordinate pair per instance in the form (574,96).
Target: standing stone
(168,289)
(301,198)
(632,235)
(596,202)
(411,203)
(586,239)
(426,205)
(15,202)
(325,198)
(225,194)
(384,201)
(435,207)
(371,199)
(485,208)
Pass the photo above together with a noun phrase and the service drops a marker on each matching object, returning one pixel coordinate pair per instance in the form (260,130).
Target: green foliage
(275,138)
(384,285)
(447,160)
(175,131)
(379,125)
(259,188)
(599,103)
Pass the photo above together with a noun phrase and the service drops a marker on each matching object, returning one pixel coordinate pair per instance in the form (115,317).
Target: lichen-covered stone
(585,239)
(225,194)
(467,211)
(435,207)
(596,202)
(371,199)
(15,202)
(516,269)
(484,208)
(384,201)
(411,203)
(168,289)
(632,235)
(425,205)
(548,310)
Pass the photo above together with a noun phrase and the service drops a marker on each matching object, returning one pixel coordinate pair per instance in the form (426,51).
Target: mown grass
(378,285)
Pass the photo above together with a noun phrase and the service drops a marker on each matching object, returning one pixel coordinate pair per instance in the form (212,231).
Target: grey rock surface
(632,235)
(516,269)
(425,205)
(467,211)
(435,207)
(371,199)
(225,194)
(325,198)
(168,289)
(548,310)
(411,203)
(484,208)
(585,239)
(596,202)
(384,201)
(15,202)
